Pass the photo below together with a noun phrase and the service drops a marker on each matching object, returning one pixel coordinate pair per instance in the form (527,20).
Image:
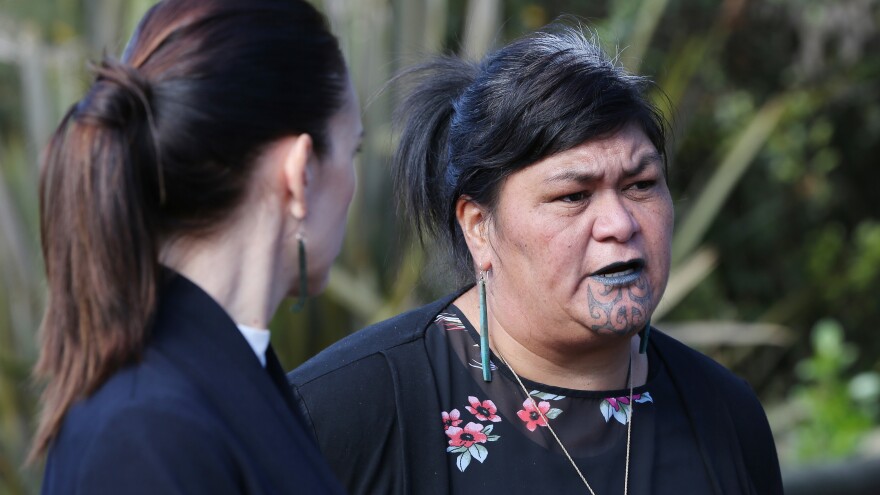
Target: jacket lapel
(709,417)
(418,410)
(418,405)
(254,403)
(276,374)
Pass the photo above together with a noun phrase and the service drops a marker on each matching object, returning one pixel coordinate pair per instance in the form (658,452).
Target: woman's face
(580,241)
(331,190)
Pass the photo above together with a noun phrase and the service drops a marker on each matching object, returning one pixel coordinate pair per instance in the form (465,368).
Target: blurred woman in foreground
(543,169)
(202,179)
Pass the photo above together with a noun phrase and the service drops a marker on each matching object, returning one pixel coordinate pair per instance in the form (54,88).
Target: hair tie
(121,98)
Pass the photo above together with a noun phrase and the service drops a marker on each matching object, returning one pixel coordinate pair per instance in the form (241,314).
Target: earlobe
(472,219)
(297,158)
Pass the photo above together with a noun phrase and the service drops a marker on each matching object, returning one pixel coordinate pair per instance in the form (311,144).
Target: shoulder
(356,371)
(684,361)
(370,341)
(172,424)
(696,373)
(700,376)
(150,397)
(133,437)
(146,445)
(348,397)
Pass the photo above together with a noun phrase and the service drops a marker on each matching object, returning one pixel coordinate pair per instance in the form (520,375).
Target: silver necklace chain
(558,441)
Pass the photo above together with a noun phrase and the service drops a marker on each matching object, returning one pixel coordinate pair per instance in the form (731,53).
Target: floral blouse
(498,440)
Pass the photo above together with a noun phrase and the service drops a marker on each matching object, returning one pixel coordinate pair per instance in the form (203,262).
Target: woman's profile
(542,170)
(203,178)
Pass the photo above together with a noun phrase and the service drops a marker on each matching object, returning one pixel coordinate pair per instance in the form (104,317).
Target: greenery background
(775,107)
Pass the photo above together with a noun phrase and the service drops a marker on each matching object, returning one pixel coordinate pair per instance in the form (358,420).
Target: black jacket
(384,439)
(198,414)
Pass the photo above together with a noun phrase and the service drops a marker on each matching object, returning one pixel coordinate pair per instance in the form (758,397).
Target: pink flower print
(451,419)
(620,408)
(484,411)
(531,416)
(616,402)
(465,437)
(466,443)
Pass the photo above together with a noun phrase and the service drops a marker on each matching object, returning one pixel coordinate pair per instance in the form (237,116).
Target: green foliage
(846,265)
(838,410)
(772,164)
(864,269)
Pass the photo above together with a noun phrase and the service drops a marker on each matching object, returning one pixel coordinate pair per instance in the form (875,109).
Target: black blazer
(198,414)
(371,402)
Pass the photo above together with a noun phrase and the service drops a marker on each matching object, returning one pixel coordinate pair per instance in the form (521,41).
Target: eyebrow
(644,162)
(652,158)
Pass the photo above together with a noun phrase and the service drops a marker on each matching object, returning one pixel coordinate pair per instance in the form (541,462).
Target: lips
(619,272)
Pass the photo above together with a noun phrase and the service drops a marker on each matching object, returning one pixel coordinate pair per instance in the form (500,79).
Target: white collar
(258,339)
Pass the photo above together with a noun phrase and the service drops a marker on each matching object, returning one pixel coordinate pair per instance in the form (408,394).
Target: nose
(614,221)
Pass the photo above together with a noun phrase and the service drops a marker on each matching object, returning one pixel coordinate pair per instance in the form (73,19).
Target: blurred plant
(770,162)
(837,411)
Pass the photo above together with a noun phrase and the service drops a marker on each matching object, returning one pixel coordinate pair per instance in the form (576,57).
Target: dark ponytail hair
(160,147)
(422,154)
(465,128)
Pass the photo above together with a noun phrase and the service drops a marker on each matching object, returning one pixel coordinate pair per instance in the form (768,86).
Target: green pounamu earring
(303,276)
(644,334)
(484,329)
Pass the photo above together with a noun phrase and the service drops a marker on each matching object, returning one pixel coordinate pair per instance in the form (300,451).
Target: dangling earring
(303,275)
(484,329)
(644,334)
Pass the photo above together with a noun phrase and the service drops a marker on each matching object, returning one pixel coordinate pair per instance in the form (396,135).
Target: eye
(642,185)
(574,197)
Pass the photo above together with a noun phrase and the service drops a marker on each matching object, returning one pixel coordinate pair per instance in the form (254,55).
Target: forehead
(346,125)
(627,151)
(349,112)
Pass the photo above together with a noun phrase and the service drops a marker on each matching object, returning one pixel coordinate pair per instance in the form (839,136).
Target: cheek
(343,185)
(547,250)
(656,219)
(665,221)
(518,234)
(351,181)
(566,237)
(657,226)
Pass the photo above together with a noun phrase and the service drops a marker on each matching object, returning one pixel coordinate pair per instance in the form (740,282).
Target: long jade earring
(303,275)
(643,337)
(484,329)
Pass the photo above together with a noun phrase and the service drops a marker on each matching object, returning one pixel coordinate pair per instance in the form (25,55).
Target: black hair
(465,127)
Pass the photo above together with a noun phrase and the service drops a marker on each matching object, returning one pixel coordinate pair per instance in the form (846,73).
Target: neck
(600,364)
(238,268)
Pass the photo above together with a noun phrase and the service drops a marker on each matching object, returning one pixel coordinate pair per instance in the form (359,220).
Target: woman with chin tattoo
(543,169)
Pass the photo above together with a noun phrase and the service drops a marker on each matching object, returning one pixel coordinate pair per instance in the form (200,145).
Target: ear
(473,219)
(297,155)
